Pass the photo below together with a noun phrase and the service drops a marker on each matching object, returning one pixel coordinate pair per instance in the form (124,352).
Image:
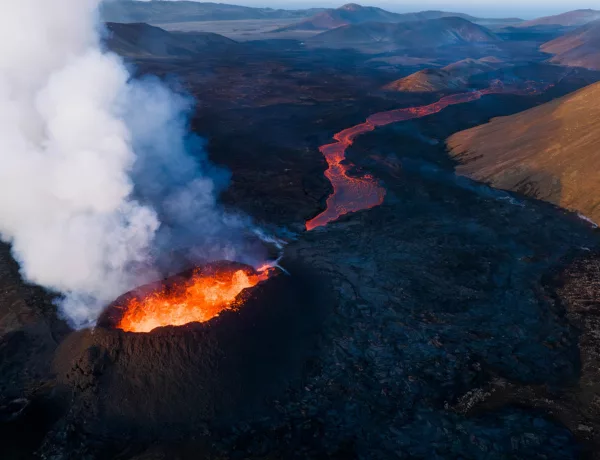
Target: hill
(143,40)
(452,77)
(568,19)
(128,11)
(550,152)
(378,36)
(579,48)
(357,14)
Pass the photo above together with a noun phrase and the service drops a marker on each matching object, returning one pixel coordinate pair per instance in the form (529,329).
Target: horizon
(511,8)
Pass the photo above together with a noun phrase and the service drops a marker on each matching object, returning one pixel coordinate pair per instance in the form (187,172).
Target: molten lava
(198,299)
(351,194)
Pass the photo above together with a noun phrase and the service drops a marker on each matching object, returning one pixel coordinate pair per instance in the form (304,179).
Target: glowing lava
(351,194)
(199,299)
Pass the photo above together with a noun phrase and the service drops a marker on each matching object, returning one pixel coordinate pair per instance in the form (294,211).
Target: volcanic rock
(550,152)
(575,287)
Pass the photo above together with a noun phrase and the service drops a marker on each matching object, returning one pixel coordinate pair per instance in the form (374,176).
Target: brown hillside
(451,77)
(550,152)
(579,48)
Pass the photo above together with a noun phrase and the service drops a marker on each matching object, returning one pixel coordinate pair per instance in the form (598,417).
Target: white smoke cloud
(74,131)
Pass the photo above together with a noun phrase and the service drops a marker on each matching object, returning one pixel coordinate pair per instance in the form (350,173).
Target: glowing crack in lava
(351,194)
(204,296)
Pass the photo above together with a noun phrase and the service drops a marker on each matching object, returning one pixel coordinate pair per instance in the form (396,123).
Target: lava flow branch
(192,299)
(352,194)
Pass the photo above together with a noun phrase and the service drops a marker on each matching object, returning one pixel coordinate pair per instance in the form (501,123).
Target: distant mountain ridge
(142,41)
(569,19)
(133,11)
(353,13)
(414,34)
(579,48)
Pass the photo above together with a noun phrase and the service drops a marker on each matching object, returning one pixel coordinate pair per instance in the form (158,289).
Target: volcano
(179,376)
(410,314)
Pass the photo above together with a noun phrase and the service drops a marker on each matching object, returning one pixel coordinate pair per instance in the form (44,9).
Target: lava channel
(191,298)
(352,194)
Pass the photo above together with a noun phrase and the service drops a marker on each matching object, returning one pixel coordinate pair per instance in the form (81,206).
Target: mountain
(417,34)
(357,14)
(452,77)
(569,19)
(579,48)
(185,11)
(143,40)
(550,152)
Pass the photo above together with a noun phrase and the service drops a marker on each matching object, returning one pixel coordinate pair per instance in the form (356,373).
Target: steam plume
(84,181)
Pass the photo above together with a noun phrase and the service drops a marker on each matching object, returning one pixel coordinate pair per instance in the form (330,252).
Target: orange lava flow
(198,300)
(352,194)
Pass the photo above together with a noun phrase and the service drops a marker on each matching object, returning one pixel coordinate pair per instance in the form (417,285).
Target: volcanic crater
(196,295)
(175,378)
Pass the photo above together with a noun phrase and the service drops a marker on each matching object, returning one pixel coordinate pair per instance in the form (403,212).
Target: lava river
(351,194)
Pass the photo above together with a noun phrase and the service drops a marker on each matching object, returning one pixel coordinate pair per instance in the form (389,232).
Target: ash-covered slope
(452,77)
(579,48)
(143,40)
(184,11)
(569,19)
(550,152)
(357,14)
(418,34)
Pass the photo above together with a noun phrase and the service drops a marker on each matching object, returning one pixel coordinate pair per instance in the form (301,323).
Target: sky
(491,8)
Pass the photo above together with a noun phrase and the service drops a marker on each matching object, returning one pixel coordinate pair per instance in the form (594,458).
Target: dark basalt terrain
(453,321)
